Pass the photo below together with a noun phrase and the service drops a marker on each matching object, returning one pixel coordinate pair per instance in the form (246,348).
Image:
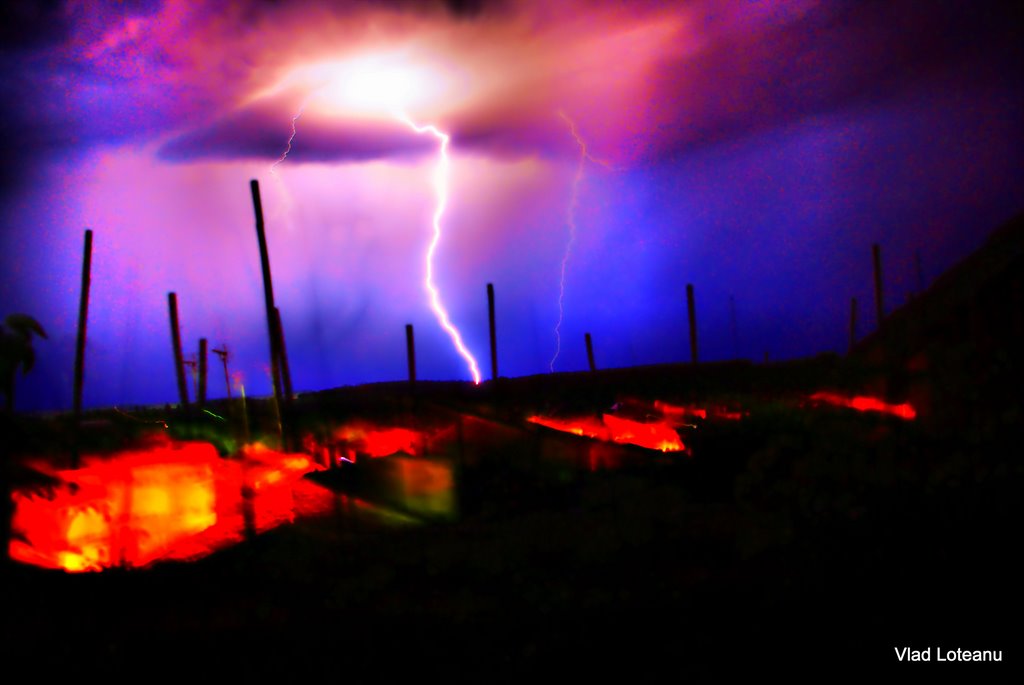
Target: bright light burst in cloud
(367,86)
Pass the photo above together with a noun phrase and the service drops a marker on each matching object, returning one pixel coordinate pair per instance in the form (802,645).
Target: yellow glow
(151,500)
(89,534)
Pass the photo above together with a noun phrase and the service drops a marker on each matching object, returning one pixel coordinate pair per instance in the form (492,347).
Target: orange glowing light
(174,501)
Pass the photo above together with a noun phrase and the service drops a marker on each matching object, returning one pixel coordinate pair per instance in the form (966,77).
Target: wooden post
(190,364)
(876,257)
(223,354)
(494,337)
(201,395)
(179,362)
(410,353)
(83,317)
(286,374)
(853,322)
(268,291)
(590,351)
(692,312)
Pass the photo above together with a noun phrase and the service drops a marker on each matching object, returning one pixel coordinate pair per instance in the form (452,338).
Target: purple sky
(754,149)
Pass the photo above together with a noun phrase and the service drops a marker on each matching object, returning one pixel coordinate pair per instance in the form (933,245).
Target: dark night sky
(754,149)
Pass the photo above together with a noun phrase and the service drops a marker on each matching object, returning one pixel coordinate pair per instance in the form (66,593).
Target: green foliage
(16,351)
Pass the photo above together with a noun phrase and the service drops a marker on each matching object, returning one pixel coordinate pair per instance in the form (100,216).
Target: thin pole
(286,374)
(853,322)
(223,354)
(179,362)
(83,317)
(590,351)
(201,395)
(876,257)
(190,364)
(410,352)
(692,311)
(494,337)
(268,290)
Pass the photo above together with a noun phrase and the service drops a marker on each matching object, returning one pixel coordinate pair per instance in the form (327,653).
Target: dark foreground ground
(796,544)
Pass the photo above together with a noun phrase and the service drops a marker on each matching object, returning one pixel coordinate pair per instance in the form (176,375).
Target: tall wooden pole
(268,291)
(410,353)
(692,312)
(179,362)
(853,322)
(876,258)
(590,351)
(282,349)
(83,317)
(494,337)
(201,394)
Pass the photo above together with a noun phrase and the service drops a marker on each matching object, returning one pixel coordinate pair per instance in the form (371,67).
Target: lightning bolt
(441,188)
(291,139)
(570,220)
(287,204)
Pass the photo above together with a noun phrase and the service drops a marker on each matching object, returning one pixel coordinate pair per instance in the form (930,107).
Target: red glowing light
(177,501)
(587,426)
(677,413)
(654,436)
(864,403)
(379,442)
